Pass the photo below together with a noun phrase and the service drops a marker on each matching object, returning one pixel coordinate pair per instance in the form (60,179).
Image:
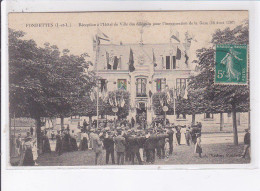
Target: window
(121,84)
(208,116)
(112,61)
(141,87)
(168,66)
(170,62)
(160,84)
(181,86)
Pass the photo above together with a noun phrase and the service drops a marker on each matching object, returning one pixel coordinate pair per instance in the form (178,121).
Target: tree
(159,100)
(72,84)
(28,79)
(221,98)
(42,83)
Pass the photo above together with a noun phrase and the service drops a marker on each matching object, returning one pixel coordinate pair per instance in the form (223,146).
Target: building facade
(143,69)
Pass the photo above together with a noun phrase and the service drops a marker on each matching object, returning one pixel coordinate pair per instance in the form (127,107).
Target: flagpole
(97,49)
(174,105)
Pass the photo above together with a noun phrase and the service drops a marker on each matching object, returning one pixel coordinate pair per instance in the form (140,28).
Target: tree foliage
(159,100)
(218,98)
(44,82)
(214,98)
(119,99)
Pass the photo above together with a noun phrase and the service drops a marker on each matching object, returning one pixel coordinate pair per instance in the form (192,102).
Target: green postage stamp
(231,64)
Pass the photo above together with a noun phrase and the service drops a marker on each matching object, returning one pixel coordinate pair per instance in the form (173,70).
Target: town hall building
(143,69)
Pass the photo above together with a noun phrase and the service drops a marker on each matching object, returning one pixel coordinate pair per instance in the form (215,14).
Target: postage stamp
(231,64)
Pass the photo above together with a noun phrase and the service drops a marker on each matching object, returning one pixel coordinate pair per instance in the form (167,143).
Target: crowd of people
(121,140)
(129,142)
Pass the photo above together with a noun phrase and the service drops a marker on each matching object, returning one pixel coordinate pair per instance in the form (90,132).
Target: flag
(168,97)
(150,93)
(162,62)
(189,40)
(92,96)
(176,37)
(186,58)
(182,91)
(178,54)
(105,94)
(94,44)
(111,102)
(115,102)
(107,57)
(161,101)
(102,36)
(119,63)
(119,102)
(115,65)
(131,61)
(103,85)
(154,60)
(122,102)
(185,96)
(175,93)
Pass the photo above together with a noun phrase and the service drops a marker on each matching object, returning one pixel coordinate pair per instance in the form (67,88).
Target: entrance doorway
(141,114)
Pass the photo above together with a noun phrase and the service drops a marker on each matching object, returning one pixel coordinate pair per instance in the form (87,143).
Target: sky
(78,39)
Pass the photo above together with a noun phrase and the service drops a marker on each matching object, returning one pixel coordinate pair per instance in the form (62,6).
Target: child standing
(198,148)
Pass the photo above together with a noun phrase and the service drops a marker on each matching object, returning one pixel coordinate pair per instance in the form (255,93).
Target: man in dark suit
(132,122)
(247,143)
(120,147)
(134,149)
(127,151)
(109,147)
(160,145)
(170,136)
(85,126)
(178,135)
(149,146)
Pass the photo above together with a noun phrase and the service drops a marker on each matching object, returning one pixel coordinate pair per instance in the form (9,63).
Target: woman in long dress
(188,136)
(84,141)
(183,138)
(66,146)
(28,154)
(58,143)
(46,144)
(34,150)
(73,141)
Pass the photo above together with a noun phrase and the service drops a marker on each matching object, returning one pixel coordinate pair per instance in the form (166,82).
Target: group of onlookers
(130,144)
(126,143)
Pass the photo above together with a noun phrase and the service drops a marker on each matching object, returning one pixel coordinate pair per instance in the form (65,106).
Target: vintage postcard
(129,88)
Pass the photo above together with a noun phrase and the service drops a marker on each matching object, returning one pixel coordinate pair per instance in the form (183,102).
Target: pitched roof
(141,52)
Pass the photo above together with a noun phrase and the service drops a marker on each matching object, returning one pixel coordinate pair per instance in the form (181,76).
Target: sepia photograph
(129,88)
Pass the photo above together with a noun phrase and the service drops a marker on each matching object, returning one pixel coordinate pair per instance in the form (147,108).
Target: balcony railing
(141,95)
